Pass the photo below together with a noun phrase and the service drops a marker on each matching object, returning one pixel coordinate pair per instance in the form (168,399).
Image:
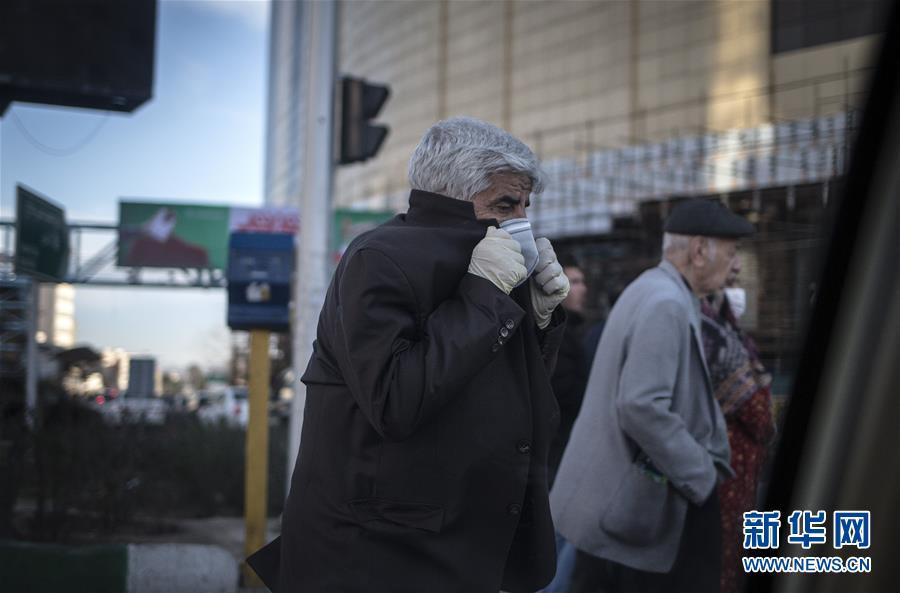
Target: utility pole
(256,474)
(311,283)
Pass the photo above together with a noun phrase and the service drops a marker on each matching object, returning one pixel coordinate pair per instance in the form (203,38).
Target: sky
(199,139)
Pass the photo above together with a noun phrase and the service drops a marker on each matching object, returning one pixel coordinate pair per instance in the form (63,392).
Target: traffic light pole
(311,281)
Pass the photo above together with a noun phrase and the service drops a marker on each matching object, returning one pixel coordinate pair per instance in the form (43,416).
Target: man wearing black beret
(636,489)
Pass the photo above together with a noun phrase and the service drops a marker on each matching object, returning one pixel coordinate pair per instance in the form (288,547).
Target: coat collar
(694,312)
(430,208)
(672,272)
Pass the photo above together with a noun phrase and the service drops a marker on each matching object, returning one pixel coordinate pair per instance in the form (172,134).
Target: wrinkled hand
(498,258)
(549,284)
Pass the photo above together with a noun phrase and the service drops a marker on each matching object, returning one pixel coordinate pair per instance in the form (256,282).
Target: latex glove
(549,284)
(499,258)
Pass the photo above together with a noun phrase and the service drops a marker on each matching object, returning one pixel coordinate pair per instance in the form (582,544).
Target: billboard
(42,237)
(167,235)
(264,220)
(158,235)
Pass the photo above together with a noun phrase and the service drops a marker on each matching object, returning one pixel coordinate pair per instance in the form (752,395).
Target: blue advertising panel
(260,267)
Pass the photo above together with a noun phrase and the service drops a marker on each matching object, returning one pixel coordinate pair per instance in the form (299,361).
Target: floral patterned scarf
(731,356)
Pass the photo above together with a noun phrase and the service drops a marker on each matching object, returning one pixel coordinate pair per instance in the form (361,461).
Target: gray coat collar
(694,314)
(671,271)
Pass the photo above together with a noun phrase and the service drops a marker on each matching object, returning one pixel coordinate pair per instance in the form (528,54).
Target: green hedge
(85,474)
(50,569)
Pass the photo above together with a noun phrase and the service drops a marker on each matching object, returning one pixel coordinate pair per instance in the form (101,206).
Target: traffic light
(360,103)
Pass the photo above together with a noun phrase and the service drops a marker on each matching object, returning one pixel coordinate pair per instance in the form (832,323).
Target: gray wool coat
(650,438)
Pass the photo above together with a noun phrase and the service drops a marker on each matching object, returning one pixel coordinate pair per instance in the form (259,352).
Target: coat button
(510,324)
(514,509)
(495,346)
(524,447)
(504,332)
(501,340)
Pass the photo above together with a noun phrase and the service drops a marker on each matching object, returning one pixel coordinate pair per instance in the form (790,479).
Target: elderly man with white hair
(429,409)
(635,492)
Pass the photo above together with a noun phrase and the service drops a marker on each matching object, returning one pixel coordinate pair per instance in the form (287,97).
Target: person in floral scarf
(742,390)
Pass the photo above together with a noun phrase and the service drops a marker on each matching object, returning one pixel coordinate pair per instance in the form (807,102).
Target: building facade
(56,315)
(286,102)
(628,103)
(571,78)
(576,78)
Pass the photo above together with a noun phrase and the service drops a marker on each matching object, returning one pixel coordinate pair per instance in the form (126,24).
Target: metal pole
(319,27)
(31,366)
(77,258)
(256,466)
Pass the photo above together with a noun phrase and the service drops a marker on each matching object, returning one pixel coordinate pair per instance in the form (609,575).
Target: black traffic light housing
(360,103)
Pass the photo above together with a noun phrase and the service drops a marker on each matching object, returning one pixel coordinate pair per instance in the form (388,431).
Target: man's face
(574,301)
(734,271)
(721,265)
(506,198)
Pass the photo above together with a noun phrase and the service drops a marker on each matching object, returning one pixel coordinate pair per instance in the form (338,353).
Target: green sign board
(161,235)
(42,238)
(166,235)
(349,224)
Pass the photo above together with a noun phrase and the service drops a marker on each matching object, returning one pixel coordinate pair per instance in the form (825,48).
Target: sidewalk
(227,532)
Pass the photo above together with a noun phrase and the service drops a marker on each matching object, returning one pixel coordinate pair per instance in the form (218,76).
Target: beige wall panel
(684,121)
(830,75)
(740,66)
(792,103)
(405,58)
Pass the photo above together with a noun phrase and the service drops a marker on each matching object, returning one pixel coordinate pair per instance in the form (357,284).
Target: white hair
(674,243)
(457,157)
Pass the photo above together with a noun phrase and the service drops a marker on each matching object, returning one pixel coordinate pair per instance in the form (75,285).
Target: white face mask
(520,229)
(737,300)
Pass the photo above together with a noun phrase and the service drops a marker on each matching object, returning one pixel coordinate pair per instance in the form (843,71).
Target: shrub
(85,474)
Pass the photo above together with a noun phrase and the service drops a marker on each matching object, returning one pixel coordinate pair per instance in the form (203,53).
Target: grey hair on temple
(674,244)
(457,157)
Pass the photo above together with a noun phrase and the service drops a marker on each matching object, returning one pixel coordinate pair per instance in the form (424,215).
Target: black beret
(708,218)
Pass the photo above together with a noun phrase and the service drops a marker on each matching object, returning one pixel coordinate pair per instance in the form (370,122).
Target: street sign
(260,266)
(42,238)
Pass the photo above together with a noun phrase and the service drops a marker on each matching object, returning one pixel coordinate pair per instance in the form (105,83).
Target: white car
(151,410)
(228,405)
